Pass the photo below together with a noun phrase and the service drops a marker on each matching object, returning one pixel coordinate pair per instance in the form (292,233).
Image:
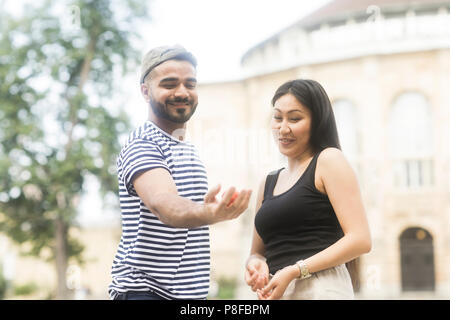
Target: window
(347,126)
(411,141)
(346,122)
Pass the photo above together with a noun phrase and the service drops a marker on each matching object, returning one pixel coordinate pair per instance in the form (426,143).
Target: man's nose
(181,91)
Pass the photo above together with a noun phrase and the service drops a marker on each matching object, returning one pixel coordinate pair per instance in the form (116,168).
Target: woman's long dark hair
(312,95)
(324,133)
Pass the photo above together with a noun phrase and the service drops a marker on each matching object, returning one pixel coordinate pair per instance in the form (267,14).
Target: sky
(219,32)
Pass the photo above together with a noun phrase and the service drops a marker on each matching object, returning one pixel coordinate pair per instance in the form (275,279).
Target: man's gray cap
(158,55)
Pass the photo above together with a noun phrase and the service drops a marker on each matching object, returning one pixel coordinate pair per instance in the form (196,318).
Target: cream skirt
(330,284)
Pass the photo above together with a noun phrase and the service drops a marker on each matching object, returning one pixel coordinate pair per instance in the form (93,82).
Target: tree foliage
(60,70)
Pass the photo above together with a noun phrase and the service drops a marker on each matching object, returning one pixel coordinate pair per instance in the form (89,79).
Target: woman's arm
(256,269)
(338,180)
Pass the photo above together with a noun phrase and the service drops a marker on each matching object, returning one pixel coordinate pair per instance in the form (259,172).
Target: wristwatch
(304,272)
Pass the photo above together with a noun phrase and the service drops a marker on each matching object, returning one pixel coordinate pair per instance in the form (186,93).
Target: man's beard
(182,116)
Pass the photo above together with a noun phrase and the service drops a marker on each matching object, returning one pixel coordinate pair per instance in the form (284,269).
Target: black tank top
(297,223)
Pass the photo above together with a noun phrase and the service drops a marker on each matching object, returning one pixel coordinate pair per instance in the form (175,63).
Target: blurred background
(69,95)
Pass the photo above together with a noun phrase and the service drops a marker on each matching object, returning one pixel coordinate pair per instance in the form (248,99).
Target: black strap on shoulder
(270,182)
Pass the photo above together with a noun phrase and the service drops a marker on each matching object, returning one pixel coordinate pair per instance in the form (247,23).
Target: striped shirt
(172,262)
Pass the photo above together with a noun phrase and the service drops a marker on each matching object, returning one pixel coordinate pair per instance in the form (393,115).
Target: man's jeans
(139,295)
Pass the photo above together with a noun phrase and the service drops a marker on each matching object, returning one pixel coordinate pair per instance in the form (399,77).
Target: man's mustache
(180,100)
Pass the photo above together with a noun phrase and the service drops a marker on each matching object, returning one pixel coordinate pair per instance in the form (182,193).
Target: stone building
(385,65)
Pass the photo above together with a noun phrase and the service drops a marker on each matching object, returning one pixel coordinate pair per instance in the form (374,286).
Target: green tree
(60,71)
(3,284)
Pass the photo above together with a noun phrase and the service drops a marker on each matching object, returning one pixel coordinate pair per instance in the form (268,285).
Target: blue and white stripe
(173,262)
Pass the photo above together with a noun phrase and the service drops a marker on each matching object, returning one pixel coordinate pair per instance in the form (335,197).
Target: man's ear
(145,92)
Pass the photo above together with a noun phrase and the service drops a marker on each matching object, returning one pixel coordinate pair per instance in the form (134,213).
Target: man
(166,207)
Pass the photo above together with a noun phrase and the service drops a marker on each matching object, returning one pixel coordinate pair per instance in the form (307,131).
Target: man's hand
(230,206)
(159,193)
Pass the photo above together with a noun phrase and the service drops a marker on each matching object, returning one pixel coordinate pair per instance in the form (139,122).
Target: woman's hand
(257,273)
(278,284)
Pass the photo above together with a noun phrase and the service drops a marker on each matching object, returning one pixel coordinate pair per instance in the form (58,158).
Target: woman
(310,217)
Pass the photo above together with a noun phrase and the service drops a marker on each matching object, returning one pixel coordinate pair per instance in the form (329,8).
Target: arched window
(411,141)
(417,260)
(346,122)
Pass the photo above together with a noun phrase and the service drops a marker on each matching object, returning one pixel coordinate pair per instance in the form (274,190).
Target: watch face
(304,272)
